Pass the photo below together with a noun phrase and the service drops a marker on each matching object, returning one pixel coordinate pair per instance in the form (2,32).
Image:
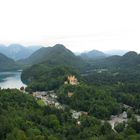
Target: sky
(80,25)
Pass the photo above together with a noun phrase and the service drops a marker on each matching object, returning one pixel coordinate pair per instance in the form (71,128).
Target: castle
(72,80)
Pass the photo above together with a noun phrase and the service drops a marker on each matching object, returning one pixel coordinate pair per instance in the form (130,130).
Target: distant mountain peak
(130,54)
(17,51)
(93,54)
(56,55)
(96,51)
(59,45)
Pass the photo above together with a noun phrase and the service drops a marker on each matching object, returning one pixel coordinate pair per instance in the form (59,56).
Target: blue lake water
(11,80)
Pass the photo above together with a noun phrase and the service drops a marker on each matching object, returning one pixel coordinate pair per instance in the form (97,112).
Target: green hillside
(128,60)
(50,66)
(7,64)
(42,77)
(115,69)
(94,54)
(57,55)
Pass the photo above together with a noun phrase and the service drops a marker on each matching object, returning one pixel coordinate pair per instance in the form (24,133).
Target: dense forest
(22,118)
(41,77)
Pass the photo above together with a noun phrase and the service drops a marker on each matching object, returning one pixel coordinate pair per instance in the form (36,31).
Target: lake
(11,80)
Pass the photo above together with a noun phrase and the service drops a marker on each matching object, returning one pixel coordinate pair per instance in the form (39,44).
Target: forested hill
(128,60)
(94,54)
(7,64)
(50,66)
(48,59)
(115,69)
(57,55)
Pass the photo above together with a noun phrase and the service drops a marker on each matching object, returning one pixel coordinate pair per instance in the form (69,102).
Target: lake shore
(11,79)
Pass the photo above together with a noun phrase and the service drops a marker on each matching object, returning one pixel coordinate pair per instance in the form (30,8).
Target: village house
(124,115)
(66,82)
(50,102)
(38,97)
(49,98)
(78,123)
(70,94)
(75,114)
(51,91)
(127,106)
(116,119)
(41,93)
(58,105)
(84,113)
(53,95)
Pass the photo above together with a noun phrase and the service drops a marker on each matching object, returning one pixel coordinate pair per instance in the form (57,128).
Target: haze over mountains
(17,55)
(59,54)
(116,52)
(17,51)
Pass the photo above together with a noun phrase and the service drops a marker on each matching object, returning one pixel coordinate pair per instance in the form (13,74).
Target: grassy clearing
(41,102)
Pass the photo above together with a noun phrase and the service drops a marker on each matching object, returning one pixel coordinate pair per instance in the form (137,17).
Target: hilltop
(56,55)
(94,54)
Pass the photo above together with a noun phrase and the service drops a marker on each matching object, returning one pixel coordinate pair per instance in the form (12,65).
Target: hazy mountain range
(17,51)
(17,55)
(129,60)
(96,54)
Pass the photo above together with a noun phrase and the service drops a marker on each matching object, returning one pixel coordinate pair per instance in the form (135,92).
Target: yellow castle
(72,80)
